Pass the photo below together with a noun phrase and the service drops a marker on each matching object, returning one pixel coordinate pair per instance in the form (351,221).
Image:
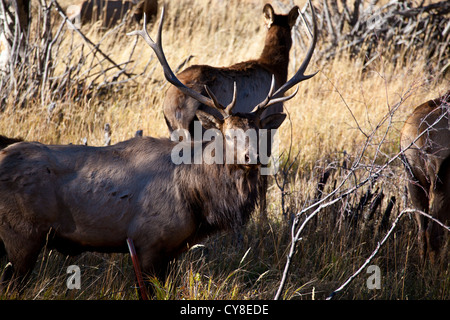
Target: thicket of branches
(355,195)
(400,29)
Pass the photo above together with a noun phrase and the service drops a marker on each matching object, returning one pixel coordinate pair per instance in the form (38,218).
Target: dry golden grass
(329,116)
(219,34)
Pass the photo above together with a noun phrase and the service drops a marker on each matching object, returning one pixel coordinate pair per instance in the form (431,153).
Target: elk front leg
(154,265)
(22,252)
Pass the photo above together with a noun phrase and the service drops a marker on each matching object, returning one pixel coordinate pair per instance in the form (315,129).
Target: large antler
(298,76)
(170,76)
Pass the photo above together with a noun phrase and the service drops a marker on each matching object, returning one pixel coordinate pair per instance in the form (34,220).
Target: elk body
(425,137)
(110,11)
(79,198)
(252,77)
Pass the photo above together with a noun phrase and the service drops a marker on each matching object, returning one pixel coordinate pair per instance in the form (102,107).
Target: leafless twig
(86,39)
(380,244)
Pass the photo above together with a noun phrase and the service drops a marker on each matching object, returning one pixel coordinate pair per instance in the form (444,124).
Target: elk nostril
(247,159)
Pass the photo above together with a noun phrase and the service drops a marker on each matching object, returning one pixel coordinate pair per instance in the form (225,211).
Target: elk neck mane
(219,196)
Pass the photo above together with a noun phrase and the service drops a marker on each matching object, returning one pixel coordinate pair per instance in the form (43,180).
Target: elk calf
(252,77)
(425,137)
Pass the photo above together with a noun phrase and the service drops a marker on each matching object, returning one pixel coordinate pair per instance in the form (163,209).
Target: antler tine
(217,105)
(144,34)
(168,73)
(268,101)
(282,99)
(229,108)
(225,112)
(299,75)
(259,109)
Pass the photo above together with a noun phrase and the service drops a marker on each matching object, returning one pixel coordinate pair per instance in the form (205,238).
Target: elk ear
(273,121)
(268,15)
(292,16)
(208,121)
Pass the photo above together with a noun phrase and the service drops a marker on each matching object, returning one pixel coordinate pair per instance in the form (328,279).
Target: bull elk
(110,11)
(80,198)
(425,139)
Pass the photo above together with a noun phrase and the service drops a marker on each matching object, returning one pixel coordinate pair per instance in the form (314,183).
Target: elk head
(241,132)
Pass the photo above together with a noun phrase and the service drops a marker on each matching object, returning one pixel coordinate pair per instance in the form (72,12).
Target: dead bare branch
(380,244)
(339,193)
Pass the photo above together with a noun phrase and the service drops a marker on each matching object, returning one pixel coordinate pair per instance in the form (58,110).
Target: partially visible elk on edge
(110,11)
(80,198)
(427,163)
